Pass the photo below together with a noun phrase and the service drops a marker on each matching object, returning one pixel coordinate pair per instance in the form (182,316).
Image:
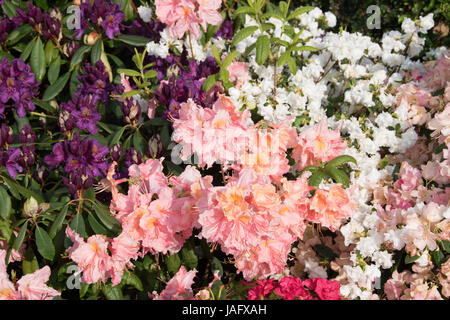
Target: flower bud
(30,208)
(91,38)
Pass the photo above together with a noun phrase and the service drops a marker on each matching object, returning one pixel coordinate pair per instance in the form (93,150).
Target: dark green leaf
(56,88)
(116,138)
(53,70)
(445,245)
(137,41)
(44,244)
(77,224)
(338,175)
(5,203)
(37,61)
(409,259)
(316,178)
(79,55)
(131,279)
(113,293)
(189,258)
(20,237)
(173,263)
(438,257)
(17,34)
(27,51)
(96,52)
(104,215)
(57,224)
(129,72)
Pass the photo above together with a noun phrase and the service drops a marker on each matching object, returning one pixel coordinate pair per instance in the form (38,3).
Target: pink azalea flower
(208,12)
(239,73)
(318,144)
(179,287)
(92,256)
(32,286)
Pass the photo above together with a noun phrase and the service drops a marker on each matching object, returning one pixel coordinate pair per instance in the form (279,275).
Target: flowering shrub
(214,150)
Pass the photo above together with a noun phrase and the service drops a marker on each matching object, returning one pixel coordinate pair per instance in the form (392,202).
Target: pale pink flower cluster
(318,144)
(179,287)
(94,260)
(188,15)
(30,287)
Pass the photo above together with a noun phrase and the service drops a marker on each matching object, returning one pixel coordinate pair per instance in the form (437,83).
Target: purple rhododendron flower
(80,112)
(82,159)
(17,84)
(226,30)
(102,13)
(95,82)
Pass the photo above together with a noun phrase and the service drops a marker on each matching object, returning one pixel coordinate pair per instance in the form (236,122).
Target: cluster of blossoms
(102,16)
(81,112)
(46,23)
(17,86)
(82,159)
(188,15)
(291,288)
(30,287)
(15,159)
(256,207)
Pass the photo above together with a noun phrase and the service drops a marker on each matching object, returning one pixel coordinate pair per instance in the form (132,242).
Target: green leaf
(209,82)
(50,52)
(74,82)
(15,187)
(173,263)
(104,215)
(137,41)
(150,74)
(129,72)
(139,143)
(17,34)
(229,59)
(27,51)
(409,259)
(445,245)
(340,160)
(243,34)
(29,262)
(438,257)
(37,61)
(77,224)
(299,11)
(218,290)
(20,237)
(131,279)
(305,48)
(116,138)
(5,203)
(112,293)
(216,265)
(44,244)
(53,70)
(338,175)
(79,55)
(53,90)
(262,49)
(292,65)
(189,258)
(57,224)
(96,52)
(311,169)
(9,8)
(96,226)
(244,10)
(316,178)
